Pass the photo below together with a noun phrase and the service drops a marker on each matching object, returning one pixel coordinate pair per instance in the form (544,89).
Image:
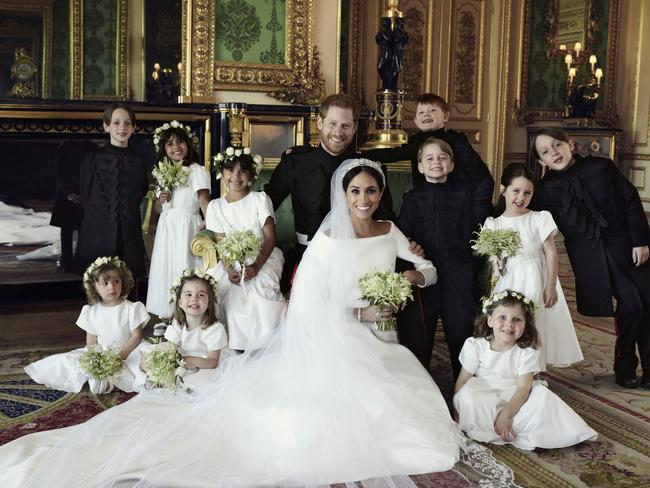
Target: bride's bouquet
(163,364)
(100,364)
(240,249)
(168,175)
(385,289)
(498,245)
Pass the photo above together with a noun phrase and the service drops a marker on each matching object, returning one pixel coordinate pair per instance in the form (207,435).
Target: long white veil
(315,406)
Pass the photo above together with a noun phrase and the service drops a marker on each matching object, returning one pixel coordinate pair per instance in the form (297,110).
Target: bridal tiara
(354,163)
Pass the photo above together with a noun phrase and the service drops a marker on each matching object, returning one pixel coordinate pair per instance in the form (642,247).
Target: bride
(324,402)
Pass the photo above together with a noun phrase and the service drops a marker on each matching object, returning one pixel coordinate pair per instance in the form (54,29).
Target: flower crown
(193,273)
(174,124)
(497,297)
(89,274)
(231,153)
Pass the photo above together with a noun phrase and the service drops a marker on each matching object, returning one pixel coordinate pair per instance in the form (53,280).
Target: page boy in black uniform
(113,182)
(431,116)
(440,216)
(606,235)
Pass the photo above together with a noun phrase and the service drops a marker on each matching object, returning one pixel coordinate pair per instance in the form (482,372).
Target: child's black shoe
(626,380)
(645,381)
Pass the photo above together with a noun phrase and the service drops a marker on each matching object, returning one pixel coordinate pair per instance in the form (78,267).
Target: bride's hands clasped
(374,314)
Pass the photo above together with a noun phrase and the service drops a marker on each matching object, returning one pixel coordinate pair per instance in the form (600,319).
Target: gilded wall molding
(524,114)
(76,48)
(44,8)
(635,157)
(466,81)
(298,60)
(198,49)
(499,135)
(355,50)
(515,157)
(122,55)
(417,75)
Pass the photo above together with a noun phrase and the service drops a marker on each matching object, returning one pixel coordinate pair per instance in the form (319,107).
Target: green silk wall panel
(99,48)
(61,49)
(250,31)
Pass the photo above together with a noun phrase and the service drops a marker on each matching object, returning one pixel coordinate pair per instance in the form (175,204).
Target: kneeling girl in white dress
(110,320)
(496,398)
(250,302)
(195,329)
(533,272)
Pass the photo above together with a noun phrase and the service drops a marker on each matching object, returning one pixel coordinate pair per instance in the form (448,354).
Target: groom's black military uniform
(304,172)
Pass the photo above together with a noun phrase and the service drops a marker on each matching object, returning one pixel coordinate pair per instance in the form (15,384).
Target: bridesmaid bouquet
(168,175)
(100,364)
(163,364)
(385,289)
(240,249)
(498,245)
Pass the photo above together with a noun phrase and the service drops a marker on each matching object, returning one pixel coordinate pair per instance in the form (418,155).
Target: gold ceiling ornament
(306,86)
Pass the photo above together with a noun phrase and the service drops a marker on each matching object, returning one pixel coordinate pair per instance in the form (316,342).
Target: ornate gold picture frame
(43,40)
(77,68)
(202,73)
(524,113)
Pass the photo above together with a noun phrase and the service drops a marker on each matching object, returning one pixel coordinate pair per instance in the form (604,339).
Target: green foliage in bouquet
(100,364)
(499,243)
(168,175)
(241,246)
(385,289)
(163,364)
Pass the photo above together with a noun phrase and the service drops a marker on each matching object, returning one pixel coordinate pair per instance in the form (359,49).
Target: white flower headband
(497,297)
(174,124)
(193,273)
(89,274)
(237,152)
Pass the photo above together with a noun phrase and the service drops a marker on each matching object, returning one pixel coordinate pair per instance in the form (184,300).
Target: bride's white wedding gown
(326,401)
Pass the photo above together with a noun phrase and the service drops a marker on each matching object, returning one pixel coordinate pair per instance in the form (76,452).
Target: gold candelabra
(580,98)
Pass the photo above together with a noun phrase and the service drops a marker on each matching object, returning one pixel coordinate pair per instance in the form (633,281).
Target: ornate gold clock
(23,72)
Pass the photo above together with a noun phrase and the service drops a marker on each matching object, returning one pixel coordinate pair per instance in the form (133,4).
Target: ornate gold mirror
(571,23)
(551,30)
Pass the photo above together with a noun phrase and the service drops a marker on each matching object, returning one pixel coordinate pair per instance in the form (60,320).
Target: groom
(304,172)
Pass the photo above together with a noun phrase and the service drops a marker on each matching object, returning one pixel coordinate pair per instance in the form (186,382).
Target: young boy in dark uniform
(431,116)
(606,235)
(440,216)
(113,181)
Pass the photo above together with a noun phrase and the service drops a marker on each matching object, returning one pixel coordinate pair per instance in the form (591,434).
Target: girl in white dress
(252,308)
(324,402)
(533,272)
(195,329)
(180,219)
(496,398)
(110,320)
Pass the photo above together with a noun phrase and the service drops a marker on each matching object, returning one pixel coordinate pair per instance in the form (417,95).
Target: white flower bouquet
(239,249)
(385,289)
(100,364)
(498,245)
(168,175)
(163,364)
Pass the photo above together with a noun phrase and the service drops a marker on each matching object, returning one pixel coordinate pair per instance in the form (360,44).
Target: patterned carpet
(619,458)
